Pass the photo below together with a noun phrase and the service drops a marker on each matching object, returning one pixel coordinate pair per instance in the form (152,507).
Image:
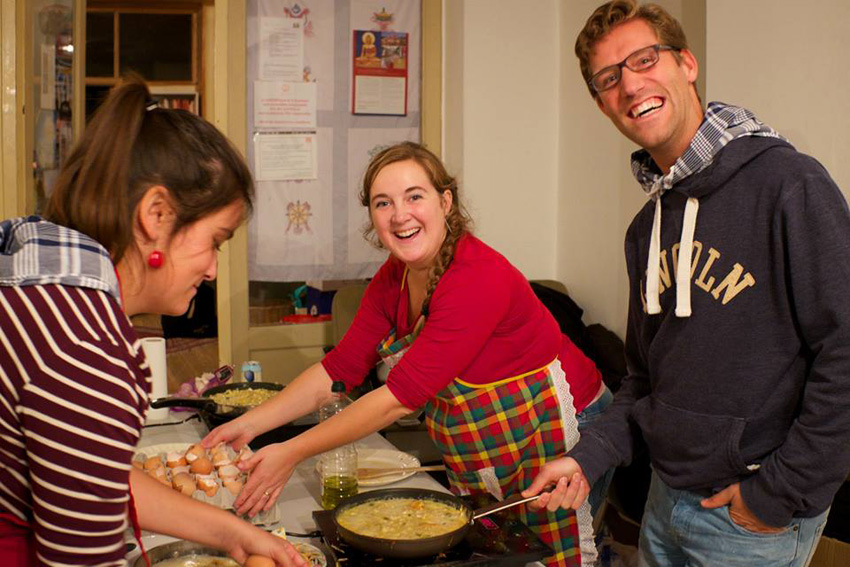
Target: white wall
(548,176)
(788,64)
(502,106)
(598,196)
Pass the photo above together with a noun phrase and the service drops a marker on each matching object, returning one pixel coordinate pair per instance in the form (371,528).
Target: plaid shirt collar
(34,251)
(721,124)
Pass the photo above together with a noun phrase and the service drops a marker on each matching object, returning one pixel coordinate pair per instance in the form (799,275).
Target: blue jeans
(585,417)
(677,531)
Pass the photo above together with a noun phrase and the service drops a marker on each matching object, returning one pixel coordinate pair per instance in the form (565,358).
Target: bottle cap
(338,386)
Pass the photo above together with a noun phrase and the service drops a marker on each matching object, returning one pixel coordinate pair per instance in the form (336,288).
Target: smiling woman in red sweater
(464,336)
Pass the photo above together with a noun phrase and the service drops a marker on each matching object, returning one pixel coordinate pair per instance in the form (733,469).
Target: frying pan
(415,548)
(206,404)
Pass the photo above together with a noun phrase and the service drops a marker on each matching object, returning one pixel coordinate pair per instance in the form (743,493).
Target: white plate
(384,458)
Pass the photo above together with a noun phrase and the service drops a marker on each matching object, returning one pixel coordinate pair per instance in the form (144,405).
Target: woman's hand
(270,468)
(570,491)
(236,433)
(739,512)
(255,541)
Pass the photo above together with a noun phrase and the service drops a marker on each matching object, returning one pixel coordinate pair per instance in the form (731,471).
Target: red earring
(155,259)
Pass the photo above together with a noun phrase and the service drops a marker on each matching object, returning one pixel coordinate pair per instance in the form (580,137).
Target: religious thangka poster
(380,67)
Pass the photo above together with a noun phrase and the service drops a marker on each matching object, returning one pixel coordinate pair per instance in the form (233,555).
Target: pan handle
(201,403)
(508,502)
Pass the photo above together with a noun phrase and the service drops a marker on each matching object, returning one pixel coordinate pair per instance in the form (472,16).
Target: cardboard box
(831,553)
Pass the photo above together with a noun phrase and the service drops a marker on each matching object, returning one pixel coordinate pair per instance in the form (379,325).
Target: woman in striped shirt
(133,225)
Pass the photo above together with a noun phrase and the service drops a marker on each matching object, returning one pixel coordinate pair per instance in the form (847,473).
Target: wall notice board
(330,83)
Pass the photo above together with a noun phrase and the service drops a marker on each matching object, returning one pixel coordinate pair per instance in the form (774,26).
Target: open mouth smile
(409,233)
(646,108)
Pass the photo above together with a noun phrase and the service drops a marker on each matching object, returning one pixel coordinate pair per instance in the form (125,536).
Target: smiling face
(408,213)
(191,256)
(657,108)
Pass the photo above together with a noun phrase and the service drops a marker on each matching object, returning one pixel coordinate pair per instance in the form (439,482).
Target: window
(158,40)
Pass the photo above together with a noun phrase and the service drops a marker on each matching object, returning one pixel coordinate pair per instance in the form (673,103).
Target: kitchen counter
(301,495)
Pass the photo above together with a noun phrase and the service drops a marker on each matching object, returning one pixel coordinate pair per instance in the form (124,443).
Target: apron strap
(137,530)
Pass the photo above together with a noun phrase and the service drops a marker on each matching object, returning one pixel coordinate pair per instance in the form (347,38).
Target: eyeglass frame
(658,48)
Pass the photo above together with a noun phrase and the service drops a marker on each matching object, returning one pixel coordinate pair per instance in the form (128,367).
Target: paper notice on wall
(380,66)
(283,105)
(281,49)
(285,156)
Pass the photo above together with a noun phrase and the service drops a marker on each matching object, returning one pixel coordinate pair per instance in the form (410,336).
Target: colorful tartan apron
(495,438)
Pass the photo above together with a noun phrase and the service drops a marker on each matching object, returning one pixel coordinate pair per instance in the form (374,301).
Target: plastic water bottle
(338,466)
(338,401)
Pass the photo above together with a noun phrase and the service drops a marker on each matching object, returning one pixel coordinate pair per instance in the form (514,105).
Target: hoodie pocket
(691,449)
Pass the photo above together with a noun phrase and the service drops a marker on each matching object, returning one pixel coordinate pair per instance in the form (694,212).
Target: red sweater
(485,325)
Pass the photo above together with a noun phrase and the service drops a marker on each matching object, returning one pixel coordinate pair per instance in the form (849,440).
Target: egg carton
(225,493)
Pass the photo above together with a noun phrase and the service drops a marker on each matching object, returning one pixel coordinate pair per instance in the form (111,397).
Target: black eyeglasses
(641,60)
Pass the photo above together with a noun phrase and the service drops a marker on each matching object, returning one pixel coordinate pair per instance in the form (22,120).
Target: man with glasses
(739,358)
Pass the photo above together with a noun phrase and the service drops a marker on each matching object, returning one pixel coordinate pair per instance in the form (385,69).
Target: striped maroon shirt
(74,386)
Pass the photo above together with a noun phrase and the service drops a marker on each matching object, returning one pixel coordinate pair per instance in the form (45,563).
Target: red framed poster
(379,79)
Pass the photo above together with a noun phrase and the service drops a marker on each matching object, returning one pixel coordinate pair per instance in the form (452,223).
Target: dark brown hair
(125,150)
(457,219)
(611,14)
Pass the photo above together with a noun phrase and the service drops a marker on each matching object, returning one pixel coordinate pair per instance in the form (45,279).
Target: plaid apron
(495,438)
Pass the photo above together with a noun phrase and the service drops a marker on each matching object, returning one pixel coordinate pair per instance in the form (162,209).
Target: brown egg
(175,460)
(178,470)
(221,460)
(234,486)
(212,491)
(258,561)
(139,465)
(201,465)
(229,472)
(195,451)
(206,481)
(153,462)
(184,483)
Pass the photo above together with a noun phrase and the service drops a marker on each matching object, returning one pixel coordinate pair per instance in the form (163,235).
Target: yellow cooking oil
(335,488)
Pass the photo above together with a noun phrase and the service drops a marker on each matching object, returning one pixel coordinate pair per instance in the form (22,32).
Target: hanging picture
(380,73)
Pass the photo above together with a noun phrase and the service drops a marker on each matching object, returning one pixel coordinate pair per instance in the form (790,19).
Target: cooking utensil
(177,549)
(375,472)
(423,547)
(206,404)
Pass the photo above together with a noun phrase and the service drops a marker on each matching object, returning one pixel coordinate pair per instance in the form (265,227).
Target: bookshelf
(173,96)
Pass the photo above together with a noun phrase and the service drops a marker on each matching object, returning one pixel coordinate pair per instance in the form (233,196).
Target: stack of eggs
(208,475)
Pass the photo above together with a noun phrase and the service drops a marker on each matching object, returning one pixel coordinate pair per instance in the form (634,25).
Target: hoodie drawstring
(653,269)
(683,268)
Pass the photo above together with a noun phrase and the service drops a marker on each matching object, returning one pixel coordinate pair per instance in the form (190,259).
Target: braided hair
(458,221)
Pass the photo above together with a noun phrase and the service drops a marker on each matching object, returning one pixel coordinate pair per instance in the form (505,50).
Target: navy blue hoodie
(754,385)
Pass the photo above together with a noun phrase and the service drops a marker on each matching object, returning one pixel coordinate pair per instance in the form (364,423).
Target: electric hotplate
(498,540)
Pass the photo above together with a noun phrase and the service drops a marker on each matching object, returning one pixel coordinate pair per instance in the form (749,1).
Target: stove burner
(499,540)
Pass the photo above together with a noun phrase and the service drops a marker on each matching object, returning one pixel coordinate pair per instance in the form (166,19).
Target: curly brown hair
(611,14)
(457,219)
